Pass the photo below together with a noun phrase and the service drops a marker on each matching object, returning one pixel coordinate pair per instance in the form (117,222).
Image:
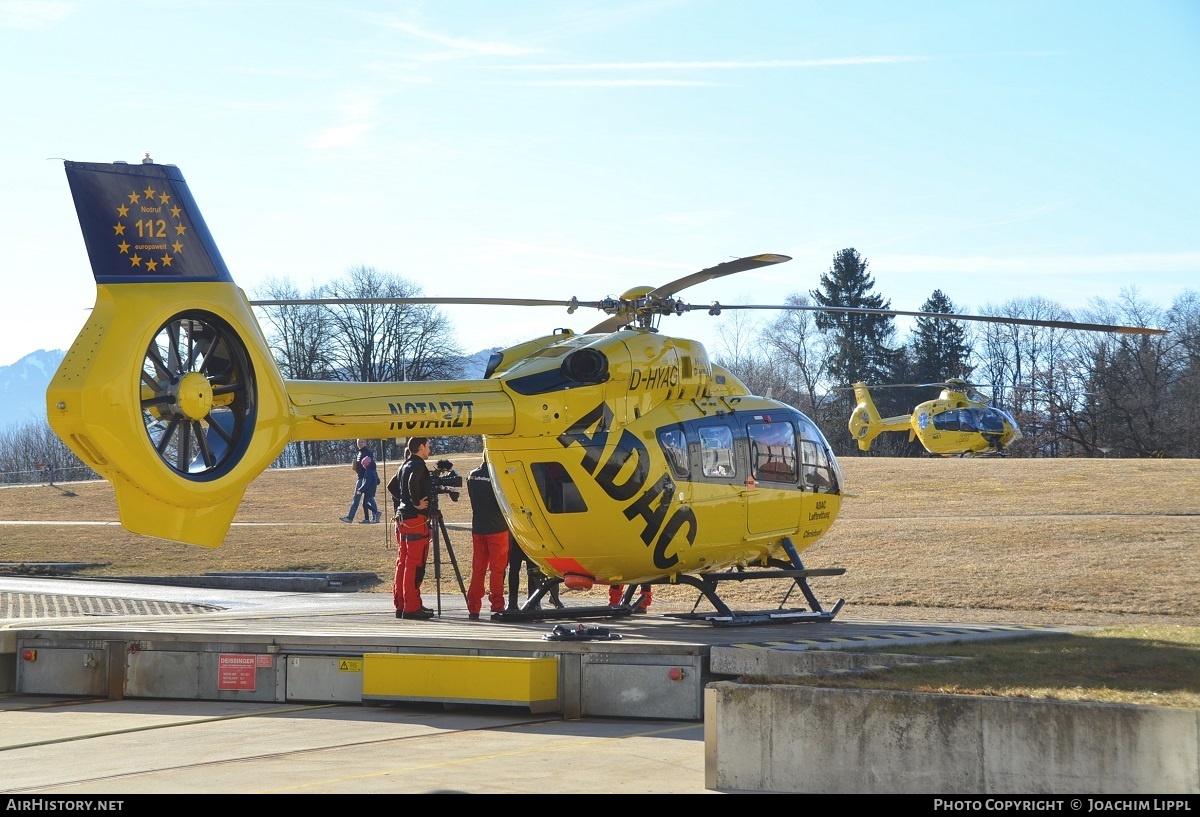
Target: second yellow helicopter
(959,422)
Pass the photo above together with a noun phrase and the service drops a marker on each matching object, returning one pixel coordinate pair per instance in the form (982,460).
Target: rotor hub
(193,395)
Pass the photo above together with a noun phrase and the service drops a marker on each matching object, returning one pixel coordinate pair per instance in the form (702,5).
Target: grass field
(1095,542)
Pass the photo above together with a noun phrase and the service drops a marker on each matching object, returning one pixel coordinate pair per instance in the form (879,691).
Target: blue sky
(529,149)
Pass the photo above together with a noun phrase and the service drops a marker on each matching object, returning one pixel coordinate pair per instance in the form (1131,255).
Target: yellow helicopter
(620,455)
(958,422)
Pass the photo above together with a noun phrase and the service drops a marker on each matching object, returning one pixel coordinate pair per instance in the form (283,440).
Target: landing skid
(721,615)
(532,612)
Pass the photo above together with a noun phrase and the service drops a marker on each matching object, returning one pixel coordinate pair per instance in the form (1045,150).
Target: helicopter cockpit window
(674,447)
(716,451)
(819,471)
(946,421)
(966,420)
(558,491)
(989,420)
(773,452)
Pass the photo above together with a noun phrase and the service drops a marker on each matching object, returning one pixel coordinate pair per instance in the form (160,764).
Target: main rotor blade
(944,385)
(719,271)
(715,309)
(423,300)
(611,324)
(667,290)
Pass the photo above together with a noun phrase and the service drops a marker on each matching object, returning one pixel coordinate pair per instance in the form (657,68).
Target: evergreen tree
(859,342)
(938,348)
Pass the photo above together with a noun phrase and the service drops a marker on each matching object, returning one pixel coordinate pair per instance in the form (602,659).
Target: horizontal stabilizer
(143,514)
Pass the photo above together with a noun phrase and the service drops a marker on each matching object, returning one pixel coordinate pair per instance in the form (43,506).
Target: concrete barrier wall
(781,738)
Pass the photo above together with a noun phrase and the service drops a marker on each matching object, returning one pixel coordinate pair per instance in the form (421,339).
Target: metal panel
(63,672)
(324,678)
(265,679)
(643,687)
(503,680)
(162,674)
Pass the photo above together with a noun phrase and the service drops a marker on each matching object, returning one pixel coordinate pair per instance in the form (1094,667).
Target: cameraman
(411,490)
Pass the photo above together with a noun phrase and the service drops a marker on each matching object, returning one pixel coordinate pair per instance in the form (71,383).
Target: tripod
(437,527)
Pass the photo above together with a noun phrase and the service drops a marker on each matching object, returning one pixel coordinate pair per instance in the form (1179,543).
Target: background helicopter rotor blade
(716,309)
(952,384)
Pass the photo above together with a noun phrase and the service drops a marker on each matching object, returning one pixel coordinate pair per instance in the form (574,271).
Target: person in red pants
(640,605)
(410,489)
(489,542)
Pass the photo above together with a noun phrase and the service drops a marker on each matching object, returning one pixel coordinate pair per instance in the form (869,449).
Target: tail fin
(141,224)
(865,422)
(170,391)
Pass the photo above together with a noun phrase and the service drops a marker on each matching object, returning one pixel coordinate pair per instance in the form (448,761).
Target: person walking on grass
(365,487)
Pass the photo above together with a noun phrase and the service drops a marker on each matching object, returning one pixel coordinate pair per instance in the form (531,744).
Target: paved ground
(74,747)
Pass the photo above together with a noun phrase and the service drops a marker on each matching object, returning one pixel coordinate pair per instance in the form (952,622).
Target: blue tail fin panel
(140,224)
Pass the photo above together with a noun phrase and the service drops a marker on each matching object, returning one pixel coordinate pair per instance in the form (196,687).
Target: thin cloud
(721,65)
(1126,263)
(493,49)
(28,15)
(340,136)
(506,244)
(620,83)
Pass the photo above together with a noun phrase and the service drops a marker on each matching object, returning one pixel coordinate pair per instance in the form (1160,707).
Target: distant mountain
(23,387)
(23,384)
(475,365)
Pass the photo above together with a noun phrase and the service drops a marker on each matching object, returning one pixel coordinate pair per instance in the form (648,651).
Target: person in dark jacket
(365,488)
(489,542)
(411,489)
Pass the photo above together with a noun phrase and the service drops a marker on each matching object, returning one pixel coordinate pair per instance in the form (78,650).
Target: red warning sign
(236,671)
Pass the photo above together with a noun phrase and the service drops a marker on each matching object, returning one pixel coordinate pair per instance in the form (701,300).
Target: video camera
(445,479)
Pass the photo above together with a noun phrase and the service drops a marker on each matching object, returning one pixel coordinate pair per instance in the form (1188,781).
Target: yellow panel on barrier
(481,679)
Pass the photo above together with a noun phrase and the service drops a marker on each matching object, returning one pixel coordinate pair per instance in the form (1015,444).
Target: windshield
(819,468)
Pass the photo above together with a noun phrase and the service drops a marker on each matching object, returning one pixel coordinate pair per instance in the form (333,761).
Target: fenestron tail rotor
(197,387)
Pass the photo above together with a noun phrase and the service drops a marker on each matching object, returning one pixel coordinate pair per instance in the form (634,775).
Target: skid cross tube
(707,584)
(793,568)
(532,610)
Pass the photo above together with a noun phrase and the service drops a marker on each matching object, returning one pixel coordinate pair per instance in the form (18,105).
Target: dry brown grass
(1150,666)
(1112,543)
(1086,541)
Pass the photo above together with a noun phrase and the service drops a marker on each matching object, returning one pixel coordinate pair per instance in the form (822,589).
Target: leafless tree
(1141,382)
(358,342)
(1022,365)
(387,342)
(801,351)
(301,335)
(32,452)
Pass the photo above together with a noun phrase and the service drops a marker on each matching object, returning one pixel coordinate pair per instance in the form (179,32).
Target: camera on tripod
(445,479)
